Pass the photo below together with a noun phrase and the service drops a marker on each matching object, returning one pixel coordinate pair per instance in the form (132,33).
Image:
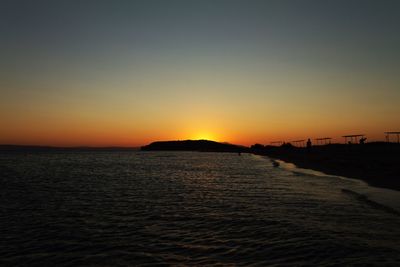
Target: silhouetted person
(309,144)
(362,140)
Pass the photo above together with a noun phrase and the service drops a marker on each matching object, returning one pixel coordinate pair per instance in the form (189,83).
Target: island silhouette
(194,145)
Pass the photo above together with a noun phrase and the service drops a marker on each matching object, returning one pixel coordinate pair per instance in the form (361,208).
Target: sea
(134,208)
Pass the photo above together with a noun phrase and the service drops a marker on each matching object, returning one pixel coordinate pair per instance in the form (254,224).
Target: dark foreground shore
(376,163)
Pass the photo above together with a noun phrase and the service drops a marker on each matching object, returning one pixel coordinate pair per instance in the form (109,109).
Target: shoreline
(378,164)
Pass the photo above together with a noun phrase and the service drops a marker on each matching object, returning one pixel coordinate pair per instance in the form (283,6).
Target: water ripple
(147,209)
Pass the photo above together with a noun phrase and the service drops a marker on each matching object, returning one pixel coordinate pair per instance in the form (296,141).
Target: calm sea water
(188,208)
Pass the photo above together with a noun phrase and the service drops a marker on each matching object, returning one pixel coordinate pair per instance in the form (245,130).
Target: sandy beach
(376,163)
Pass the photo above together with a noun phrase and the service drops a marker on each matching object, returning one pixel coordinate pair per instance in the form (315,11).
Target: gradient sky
(127,73)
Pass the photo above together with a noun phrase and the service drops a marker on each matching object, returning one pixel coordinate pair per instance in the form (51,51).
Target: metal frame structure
(277,143)
(299,143)
(323,140)
(392,133)
(355,137)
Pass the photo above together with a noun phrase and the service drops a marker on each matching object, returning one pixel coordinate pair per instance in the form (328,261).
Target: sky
(125,73)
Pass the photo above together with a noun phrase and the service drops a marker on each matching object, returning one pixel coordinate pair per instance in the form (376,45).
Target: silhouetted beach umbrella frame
(353,137)
(323,140)
(388,134)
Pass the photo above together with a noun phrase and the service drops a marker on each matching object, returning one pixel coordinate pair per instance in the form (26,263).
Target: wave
(362,197)
(382,198)
(302,171)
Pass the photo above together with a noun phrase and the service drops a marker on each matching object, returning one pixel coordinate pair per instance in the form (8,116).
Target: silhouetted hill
(194,145)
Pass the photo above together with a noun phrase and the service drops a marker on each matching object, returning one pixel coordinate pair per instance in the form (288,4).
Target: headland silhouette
(194,145)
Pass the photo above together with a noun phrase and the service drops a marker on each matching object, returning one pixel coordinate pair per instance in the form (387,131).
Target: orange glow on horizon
(81,126)
(132,139)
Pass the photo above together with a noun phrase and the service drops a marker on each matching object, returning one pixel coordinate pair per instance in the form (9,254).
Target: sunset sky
(125,73)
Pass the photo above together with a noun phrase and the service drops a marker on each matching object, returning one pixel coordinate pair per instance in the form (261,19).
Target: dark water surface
(147,208)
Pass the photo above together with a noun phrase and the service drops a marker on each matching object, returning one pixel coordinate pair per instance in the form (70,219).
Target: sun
(204,136)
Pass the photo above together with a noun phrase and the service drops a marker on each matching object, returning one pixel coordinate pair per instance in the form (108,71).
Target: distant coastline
(33,148)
